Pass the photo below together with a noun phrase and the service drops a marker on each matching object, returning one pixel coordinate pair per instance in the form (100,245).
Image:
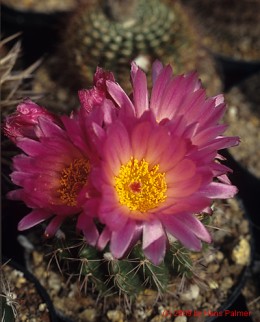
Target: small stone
(227,283)
(20,282)
(181,318)
(209,258)
(213,284)
(191,294)
(148,297)
(213,268)
(158,318)
(88,315)
(54,282)
(115,316)
(42,307)
(37,258)
(241,253)
(219,256)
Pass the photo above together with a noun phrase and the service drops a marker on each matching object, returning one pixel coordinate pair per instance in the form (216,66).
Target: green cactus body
(154,29)
(129,276)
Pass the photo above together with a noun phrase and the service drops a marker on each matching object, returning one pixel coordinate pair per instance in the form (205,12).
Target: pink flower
(22,123)
(53,178)
(158,164)
(91,98)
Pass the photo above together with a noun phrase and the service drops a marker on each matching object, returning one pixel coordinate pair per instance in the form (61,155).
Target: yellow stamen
(72,179)
(140,188)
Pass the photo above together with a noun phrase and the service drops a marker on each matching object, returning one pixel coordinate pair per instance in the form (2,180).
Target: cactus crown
(105,34)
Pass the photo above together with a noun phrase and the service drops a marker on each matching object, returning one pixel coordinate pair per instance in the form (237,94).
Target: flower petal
(140,95)
(181,232)
(120,97)
(195,225)
(121,240)
(35,217)
(53,226)
(89,229)
(216,190)
(104,238)
(154,241)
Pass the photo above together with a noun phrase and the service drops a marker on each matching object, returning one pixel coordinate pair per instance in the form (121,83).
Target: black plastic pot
(31,19)
(39,30)
(249,192)
(235,70)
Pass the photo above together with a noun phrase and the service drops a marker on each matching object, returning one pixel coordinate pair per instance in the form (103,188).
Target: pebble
(241,253)
(88,315)
(191,293)
(42,307)
(158,318)
(115,316)
(209,258)
(213,284)
(181,318)
(227,283)
(213,268)
(220,256)
(54,282)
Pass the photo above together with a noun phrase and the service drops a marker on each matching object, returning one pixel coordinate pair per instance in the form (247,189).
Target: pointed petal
(154,241)
(35,217)
(104,238)
(181,232)
(121,240)
(48,128)
(119,96)
(156,70)
(89,229)
(216,190)
(53,226)
(30,147)
(140,94)
(195,225)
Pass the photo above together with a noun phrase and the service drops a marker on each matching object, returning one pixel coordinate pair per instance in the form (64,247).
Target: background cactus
(111,34)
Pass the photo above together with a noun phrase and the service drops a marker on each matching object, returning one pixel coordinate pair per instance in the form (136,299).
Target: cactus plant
(111,34)
(135,177)
(101,272)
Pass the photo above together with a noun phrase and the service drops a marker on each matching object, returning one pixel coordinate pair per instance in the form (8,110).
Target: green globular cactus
(111,34)
(105,275)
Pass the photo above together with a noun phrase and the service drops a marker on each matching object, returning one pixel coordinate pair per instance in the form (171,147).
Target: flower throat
(139,188)
(72,179)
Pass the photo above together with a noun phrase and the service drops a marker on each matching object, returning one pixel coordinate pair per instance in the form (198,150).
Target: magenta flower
(158,164)
(94,97)
(22,122)
(53,174)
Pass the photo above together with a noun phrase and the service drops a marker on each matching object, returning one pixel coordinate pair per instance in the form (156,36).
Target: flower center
(140,188)
(72,179)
